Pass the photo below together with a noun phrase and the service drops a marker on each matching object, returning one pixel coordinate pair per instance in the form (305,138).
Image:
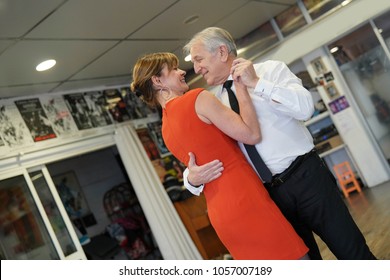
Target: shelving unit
(336,151)
(325,135)
(331,151)
(317,118)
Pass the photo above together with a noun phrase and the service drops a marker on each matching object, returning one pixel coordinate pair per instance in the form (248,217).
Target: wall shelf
(335,149)
(317,118)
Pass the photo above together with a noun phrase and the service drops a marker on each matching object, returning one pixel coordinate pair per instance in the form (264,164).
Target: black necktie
(257,161)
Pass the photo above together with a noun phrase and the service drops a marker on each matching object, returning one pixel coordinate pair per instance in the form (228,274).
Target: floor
(371,212)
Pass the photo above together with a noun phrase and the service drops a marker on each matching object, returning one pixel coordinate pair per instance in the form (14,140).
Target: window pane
(53,213)
(290,20)
(383,24)
(317,8)
(258,40)
(23,235)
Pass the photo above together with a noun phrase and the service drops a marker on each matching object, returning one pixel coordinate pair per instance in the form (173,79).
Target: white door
(33,222)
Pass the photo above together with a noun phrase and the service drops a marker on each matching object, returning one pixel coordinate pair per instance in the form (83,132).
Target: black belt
(280,178)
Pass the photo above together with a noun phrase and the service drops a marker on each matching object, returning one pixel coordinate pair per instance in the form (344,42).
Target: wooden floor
(371,212)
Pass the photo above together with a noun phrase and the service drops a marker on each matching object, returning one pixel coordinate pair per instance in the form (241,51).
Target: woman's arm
(243,128)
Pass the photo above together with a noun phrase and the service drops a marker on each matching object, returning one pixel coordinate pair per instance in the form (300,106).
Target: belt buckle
(277,182)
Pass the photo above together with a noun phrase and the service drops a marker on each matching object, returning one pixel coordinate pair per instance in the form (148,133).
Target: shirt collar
(220,87)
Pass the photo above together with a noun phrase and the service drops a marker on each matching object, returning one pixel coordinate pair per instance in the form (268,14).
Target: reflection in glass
(366,68)
(257,40)
(383,24)
(53,213)
(290,20)
(23,235)
(317,8)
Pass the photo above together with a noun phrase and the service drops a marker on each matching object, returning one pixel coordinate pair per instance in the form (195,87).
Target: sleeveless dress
(242,213)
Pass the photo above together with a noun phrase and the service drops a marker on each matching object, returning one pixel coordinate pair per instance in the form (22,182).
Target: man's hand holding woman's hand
(243,71)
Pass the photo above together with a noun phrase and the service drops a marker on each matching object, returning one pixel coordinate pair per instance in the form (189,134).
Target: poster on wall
(79,110)
(13,130)
(21,230)
(35,118)
(155,133)
(338,105)
(148,143)
(96,108)
(136,108)
(59,115)
(3,147)
(73,198)
(115,105)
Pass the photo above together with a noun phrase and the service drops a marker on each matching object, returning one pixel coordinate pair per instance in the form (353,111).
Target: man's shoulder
(269,62)
(269,65)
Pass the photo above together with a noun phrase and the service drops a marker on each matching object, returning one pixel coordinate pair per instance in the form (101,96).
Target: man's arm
(277,84)
(196,176)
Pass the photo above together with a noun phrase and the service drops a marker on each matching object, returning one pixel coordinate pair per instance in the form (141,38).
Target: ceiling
(96,42)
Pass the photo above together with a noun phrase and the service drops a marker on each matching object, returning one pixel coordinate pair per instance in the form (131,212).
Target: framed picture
(329,76)
(73,198)
(338,105)
(331,91)
(318,66)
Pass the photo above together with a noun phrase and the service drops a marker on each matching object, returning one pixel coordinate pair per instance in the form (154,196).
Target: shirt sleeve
(194,190)
(279,86)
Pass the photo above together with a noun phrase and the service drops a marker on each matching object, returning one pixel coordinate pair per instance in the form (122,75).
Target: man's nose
(196,68)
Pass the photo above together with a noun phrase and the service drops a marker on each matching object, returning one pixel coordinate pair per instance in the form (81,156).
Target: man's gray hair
(212,38)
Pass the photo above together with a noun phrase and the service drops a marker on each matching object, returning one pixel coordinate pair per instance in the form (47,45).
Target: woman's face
(174,80)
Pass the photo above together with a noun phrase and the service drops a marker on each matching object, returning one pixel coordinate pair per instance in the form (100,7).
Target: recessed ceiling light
(45,65)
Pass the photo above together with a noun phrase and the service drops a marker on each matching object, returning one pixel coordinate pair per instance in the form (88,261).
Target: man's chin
(209,81)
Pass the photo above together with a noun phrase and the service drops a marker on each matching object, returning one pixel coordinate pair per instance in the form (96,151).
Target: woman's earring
(164,93)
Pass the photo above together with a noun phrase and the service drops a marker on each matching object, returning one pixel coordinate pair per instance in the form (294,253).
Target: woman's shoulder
(195,90)
(193,93)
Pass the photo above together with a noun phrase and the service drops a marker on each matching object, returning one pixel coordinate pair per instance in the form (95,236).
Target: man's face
(210,65)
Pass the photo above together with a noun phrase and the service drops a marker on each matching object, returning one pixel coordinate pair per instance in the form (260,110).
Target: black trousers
(311,201)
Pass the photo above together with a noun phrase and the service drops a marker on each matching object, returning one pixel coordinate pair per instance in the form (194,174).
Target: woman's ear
(156,80)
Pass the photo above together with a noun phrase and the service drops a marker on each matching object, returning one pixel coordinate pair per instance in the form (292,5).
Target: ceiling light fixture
(334,49)
(45,65)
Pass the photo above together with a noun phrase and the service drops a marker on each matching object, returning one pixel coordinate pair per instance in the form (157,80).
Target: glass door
(63,235)
(23,234)
(32,224)
(363,59)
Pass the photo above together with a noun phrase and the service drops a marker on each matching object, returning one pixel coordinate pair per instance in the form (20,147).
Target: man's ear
(223,52)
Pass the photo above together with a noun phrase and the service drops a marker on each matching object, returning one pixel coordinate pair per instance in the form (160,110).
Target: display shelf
(317,118)
(335,149)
